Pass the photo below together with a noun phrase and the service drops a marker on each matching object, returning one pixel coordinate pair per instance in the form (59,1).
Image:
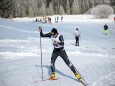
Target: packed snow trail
(12,28)
(20,54)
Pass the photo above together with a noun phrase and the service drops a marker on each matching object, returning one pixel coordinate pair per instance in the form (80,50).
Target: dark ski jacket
(105,27)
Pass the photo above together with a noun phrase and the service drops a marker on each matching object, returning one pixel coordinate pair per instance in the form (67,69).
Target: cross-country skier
(77,35)
(58,44)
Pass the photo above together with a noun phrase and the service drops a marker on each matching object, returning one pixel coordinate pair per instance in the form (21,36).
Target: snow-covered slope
(20,60)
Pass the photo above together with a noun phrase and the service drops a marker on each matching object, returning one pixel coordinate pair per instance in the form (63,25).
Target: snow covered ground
(20,59)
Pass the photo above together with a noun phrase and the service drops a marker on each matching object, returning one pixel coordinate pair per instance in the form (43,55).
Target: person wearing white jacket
(77,35)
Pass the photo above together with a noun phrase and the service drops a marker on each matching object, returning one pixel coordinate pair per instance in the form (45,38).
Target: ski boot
(52,76)
(78,77)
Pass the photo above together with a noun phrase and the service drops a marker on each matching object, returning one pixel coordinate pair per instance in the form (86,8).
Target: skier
(57,19)
(36,20)
(77,35)
(50,20)
(105,29)
(58,44)
(62,19)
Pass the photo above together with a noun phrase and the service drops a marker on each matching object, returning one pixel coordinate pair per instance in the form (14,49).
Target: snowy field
(20,58)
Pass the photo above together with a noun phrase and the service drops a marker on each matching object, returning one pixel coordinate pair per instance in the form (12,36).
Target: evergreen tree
(23,8)
(42,10)
(61,10)
(34,7)
(30,12)
(50,10)
(67,7)
(7,8)
(75,8)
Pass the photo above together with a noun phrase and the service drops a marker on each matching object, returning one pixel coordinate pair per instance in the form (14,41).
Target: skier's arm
(44,35)
(61,40)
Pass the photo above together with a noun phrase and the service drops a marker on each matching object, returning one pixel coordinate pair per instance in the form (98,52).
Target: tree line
(31,8)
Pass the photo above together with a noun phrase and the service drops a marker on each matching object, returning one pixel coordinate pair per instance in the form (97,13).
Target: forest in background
(32,8)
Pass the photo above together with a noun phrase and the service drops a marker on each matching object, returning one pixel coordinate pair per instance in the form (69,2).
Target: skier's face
(55,35)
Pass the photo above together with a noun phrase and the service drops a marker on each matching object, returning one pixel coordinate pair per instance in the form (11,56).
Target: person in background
(57,19)
(49,20)
(45,19)
(61,18)
(77,35)
(36,19)
(106,29)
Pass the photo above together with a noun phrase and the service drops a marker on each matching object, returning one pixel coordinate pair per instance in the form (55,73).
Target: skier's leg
(76,40)
(70,65)
(53,59)
(67,61)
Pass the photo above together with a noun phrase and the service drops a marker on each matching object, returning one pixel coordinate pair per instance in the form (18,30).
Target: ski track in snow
(109,80)
(25,49)
(12,28)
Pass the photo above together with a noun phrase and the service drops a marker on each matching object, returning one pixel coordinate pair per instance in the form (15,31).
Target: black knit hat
(54,31)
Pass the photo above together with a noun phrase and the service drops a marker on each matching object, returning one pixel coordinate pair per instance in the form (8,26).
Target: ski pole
(41,56)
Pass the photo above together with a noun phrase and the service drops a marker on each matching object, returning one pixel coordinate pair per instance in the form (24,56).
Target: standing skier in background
(77,35)
(106,29)
(57,19)
(61,18)
(58,44)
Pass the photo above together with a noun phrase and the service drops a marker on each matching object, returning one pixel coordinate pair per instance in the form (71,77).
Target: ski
(50,79)
(45,80)
(82,82)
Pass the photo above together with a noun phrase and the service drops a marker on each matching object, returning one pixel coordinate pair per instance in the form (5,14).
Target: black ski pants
(77,41)
(64,56)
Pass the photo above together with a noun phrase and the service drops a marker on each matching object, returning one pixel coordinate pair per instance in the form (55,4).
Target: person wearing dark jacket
(58,44)
(105,29)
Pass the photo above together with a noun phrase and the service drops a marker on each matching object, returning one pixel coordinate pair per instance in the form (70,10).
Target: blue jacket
(105,27)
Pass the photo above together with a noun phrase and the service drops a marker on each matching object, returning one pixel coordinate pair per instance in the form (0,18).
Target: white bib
(54,40)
